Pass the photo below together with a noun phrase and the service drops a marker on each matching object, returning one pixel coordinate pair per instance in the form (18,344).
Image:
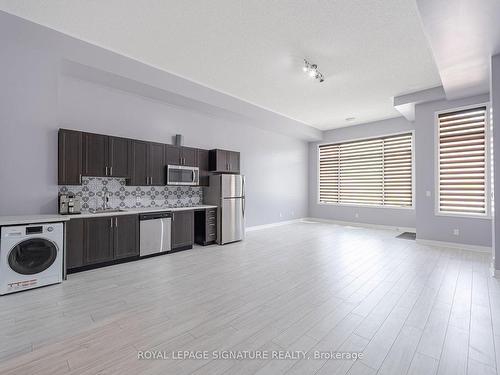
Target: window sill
(364,206)
(463,216)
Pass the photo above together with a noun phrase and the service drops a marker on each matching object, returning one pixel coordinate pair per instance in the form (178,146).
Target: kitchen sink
(105,210)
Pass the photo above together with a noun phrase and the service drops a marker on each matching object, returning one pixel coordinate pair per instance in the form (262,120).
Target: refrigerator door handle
(243,208)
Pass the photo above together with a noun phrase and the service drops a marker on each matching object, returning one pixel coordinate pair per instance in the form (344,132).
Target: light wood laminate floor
(411,309)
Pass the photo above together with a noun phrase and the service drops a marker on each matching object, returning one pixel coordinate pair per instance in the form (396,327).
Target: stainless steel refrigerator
(227,191)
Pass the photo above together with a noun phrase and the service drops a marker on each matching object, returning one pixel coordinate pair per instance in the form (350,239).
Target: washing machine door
(32,256)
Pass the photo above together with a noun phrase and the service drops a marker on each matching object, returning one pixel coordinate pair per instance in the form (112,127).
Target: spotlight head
(312,70)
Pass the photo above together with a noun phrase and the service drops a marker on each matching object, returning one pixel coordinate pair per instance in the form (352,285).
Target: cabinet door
(157,170)
(126,236)
(74,243)
(182,229)
(139,174)
(95,155)
(70,157)
(219,161)
(234,161)
(203,164)
(98,240)
(172,155)
(119,157)
(189,156)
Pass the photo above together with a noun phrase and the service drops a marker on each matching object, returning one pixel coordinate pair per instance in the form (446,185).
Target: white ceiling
(368,50)
(463,34)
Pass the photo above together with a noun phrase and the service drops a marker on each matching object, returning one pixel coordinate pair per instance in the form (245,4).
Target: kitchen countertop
(37,219)
(32,219)
(131,211)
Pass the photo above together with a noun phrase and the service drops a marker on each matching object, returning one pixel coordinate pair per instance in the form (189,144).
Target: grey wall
(473,231)
(495,106)
(38,96)
(370,215)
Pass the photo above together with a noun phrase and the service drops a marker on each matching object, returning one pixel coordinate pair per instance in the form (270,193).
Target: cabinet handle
(80,178)
(111,223)
(116,222)
(111,171)
(106,170)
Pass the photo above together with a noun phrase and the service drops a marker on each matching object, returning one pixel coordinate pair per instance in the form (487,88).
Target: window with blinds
(376,172)
(462,162)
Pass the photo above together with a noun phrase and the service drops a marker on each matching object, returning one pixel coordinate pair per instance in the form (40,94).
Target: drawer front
(211,228)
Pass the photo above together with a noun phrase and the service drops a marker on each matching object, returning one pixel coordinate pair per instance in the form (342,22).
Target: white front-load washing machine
(30,256)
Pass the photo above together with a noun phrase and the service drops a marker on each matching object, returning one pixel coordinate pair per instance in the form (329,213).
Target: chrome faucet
(105,203)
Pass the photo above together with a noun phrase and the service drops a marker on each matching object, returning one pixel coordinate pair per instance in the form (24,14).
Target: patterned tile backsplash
(93,189)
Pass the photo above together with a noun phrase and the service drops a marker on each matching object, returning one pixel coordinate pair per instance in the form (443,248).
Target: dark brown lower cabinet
(101,240)
(75,243)
(126,236)
(98,240)
(182,230)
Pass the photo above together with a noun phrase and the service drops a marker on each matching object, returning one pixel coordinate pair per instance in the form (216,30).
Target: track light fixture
(313,71)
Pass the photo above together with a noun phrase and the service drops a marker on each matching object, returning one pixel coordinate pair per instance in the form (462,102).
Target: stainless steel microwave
(182,175)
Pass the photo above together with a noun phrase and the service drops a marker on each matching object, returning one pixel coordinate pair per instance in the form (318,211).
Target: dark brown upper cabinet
(224,161)
(69,157)
(204,165)
(157,165)
(148,164)
(119,156)
(95,155)
(176,155)
(139,175)
(105,156)
(142,163)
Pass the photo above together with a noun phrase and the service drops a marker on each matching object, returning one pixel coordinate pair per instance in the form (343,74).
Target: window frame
(487,177)
(318,186)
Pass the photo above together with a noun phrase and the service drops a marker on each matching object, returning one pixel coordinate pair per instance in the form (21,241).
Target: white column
(495,109)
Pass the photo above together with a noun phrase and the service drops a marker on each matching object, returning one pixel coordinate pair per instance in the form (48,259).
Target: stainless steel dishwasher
(155,233)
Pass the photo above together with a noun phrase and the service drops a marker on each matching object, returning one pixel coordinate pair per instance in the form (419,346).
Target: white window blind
(462,162)
(374,172)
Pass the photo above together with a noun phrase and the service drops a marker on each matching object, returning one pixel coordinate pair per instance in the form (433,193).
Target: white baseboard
(455,245)
(270,225)
(363,225)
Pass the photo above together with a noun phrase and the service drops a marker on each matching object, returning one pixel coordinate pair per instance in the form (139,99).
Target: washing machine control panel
(34,230)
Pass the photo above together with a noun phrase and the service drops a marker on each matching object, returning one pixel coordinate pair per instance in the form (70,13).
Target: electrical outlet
(138,199)
(428,193)
(356,215)
(456,232)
